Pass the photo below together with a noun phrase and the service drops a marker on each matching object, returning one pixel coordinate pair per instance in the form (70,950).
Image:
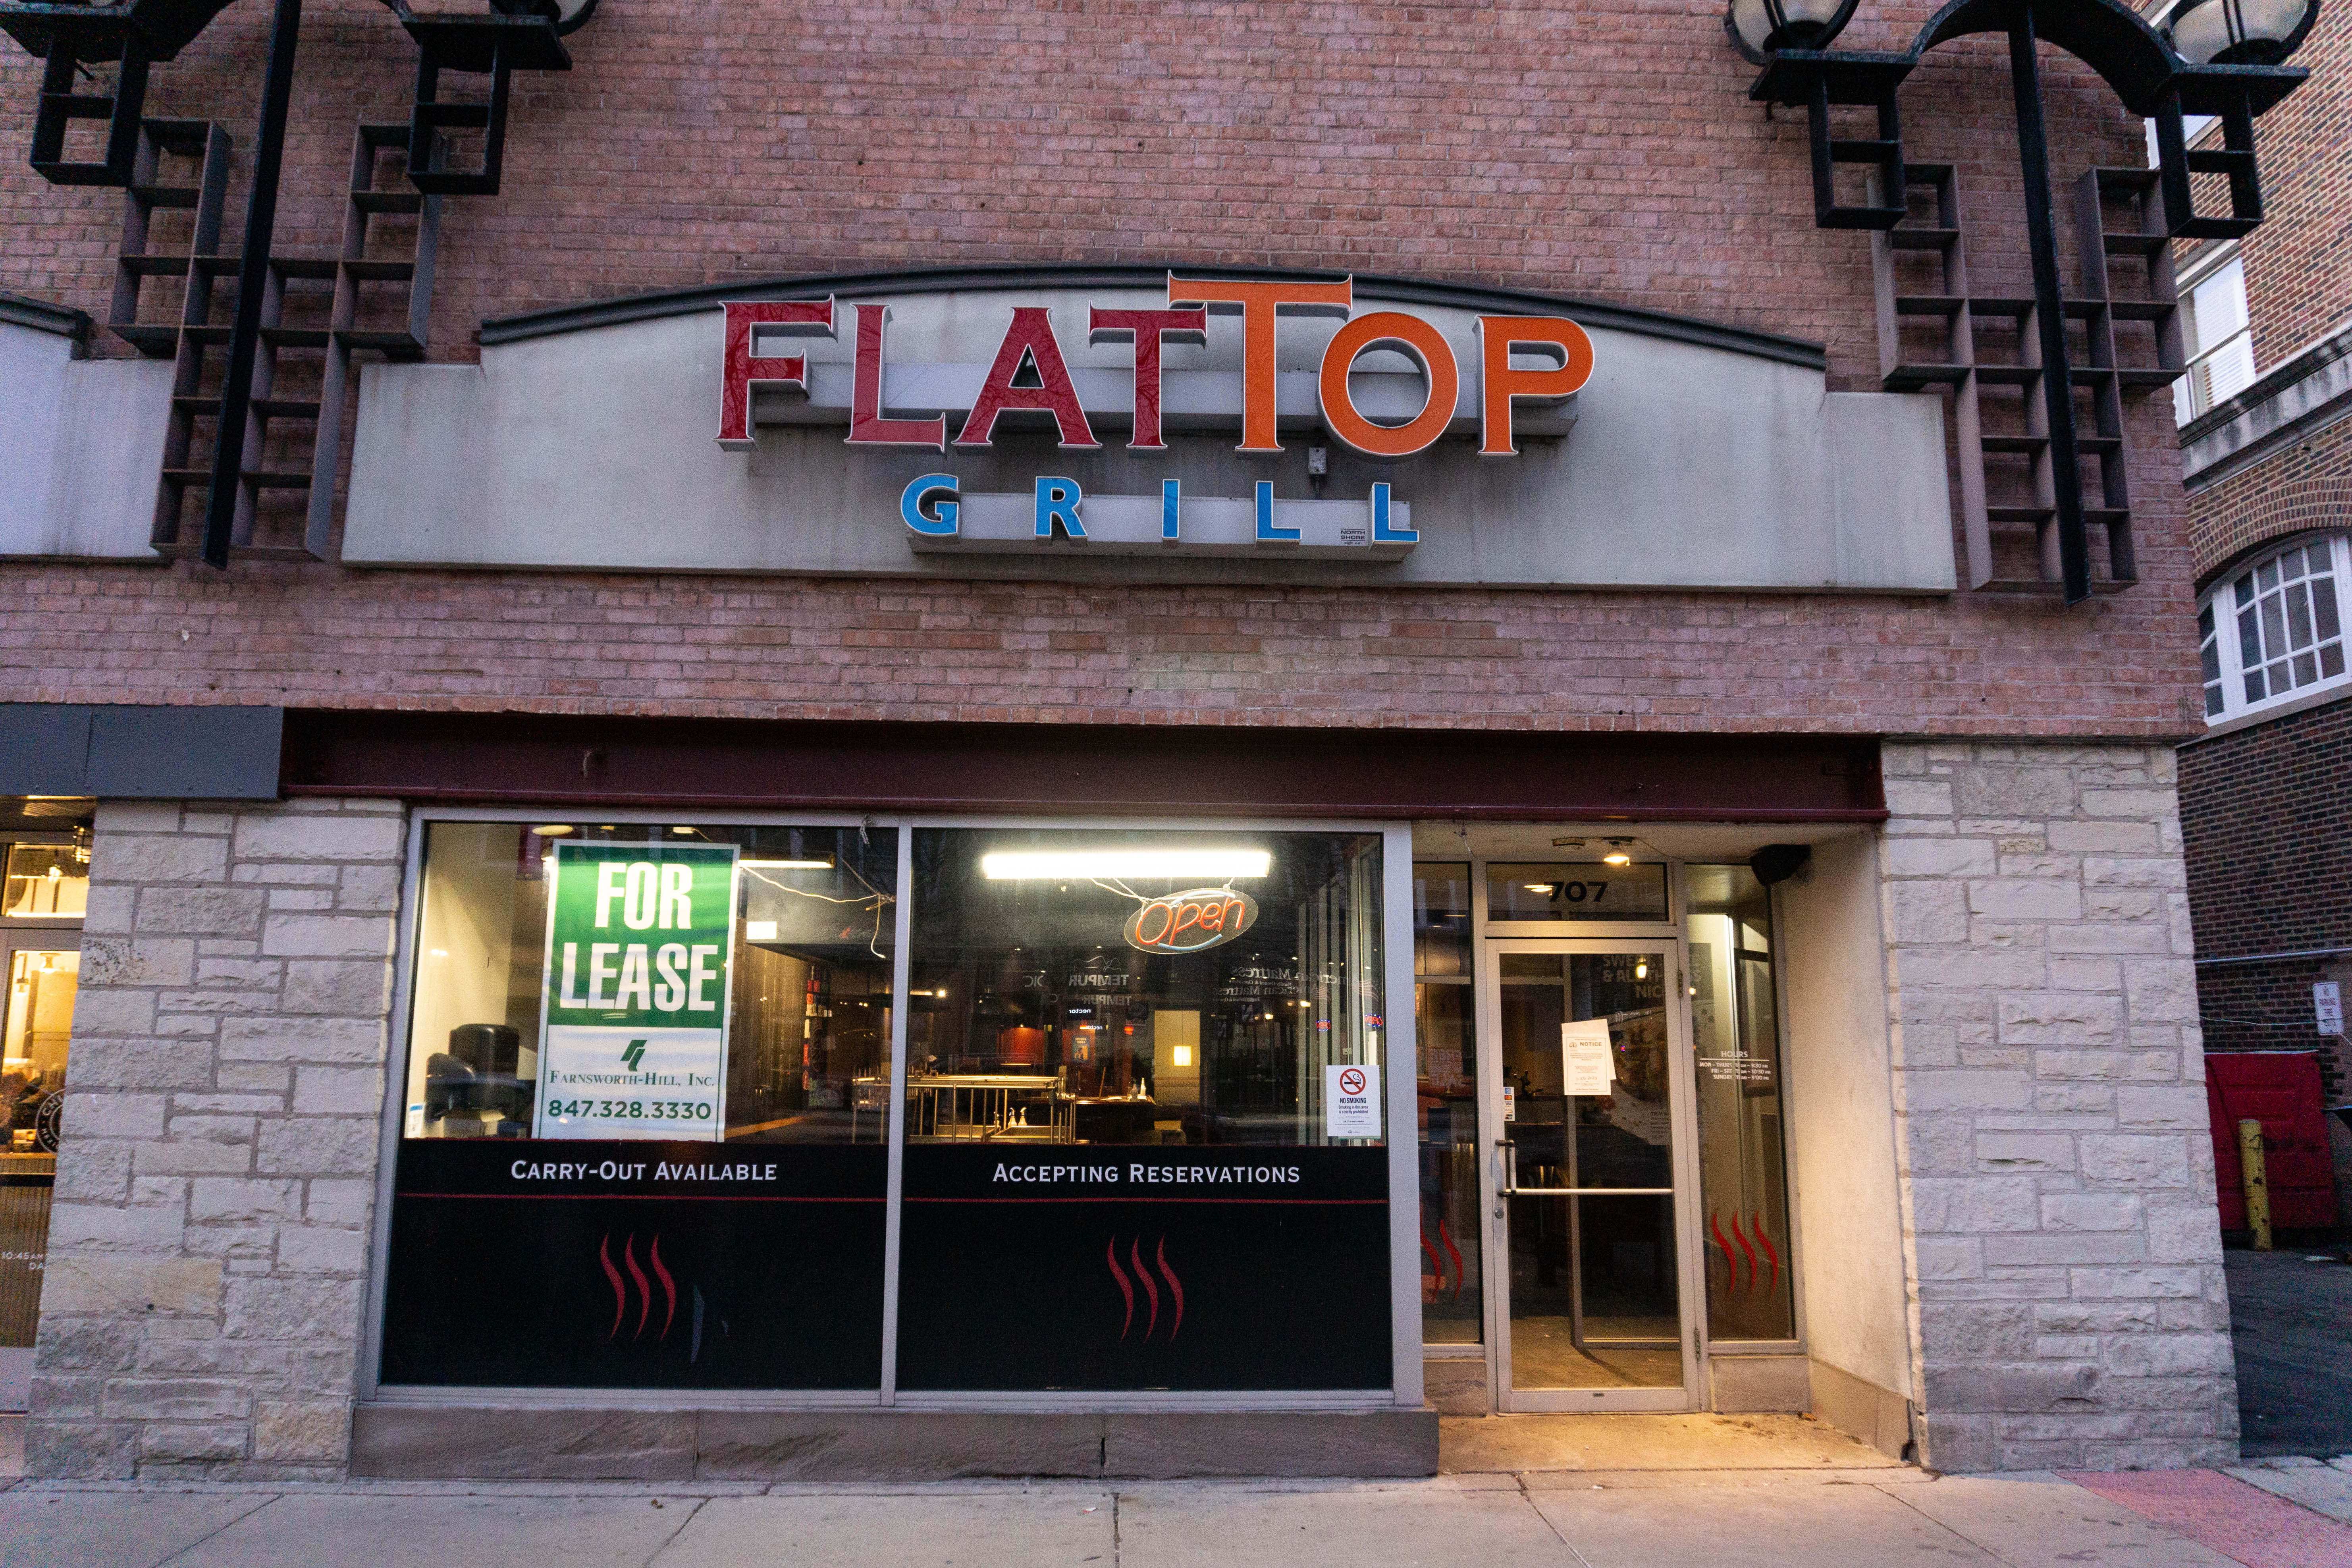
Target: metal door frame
(1668,945)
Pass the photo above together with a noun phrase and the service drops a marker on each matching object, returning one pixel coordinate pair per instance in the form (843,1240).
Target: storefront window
(40,965)
(47,881)
(646,1085)
(1453,1309)
(1743,1160)
(1145,1113)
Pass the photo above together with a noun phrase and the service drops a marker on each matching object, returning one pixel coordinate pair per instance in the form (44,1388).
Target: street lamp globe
(2237,32)
(1759,29)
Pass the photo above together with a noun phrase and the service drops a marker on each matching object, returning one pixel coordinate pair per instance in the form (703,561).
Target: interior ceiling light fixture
(552,829)
(785,865)
(1039,864)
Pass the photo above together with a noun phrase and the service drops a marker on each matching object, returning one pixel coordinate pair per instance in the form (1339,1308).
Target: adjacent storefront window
(47,888)
(648,1084)
(1743,1159)
(1144,1112)
(1452,1299)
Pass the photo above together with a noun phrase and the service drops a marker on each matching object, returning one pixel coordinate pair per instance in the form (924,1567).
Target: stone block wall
(209,1250)
(2066,1259)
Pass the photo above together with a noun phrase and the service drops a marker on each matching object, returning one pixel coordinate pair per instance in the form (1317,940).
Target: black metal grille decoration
(2216,57)
(70,38)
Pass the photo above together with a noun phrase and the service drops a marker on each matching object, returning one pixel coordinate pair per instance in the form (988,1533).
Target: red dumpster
(2281,1090)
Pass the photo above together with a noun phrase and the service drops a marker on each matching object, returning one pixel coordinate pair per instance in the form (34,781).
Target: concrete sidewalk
(1586,1519)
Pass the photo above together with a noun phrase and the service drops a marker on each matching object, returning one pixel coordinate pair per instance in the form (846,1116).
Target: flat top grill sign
(1192,921)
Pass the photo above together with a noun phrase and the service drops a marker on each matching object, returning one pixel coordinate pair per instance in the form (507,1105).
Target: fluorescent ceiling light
(1028,865)
(785,865)
(552,829)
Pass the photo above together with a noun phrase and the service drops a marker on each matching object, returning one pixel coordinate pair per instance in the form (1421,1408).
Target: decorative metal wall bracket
(497,46)
(67,38)
(515,35)
(2150,79)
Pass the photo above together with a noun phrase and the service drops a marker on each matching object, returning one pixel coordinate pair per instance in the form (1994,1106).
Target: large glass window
(1145,1113)
(1141,988)
(1452,1300)
(1743,1160)
(794,983)
(2273,630)
(646,1100)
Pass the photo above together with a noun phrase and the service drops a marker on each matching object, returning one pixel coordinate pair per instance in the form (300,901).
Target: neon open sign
(1190,922)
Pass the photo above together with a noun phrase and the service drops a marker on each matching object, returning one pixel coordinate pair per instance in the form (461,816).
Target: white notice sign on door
(1587,1064)
(2327,1003)
(1352,1102)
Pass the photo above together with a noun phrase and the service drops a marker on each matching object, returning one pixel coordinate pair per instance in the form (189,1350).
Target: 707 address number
(633,1109)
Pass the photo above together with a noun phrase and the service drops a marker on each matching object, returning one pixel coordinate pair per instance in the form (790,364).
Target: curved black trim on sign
(561,319)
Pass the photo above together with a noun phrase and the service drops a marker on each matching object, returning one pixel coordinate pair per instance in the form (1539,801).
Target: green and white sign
(632,1010)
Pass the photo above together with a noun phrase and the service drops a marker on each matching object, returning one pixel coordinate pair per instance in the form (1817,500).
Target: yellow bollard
(2258,1186)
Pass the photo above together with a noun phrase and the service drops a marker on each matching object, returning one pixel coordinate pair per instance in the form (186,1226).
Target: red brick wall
(2266,825)
(1610,153)
(2299,263)
(2298,268)
(2303,486)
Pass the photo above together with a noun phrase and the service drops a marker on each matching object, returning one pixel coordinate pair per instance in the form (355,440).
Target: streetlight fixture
(2237,32)
(2219,57)
(1761,28)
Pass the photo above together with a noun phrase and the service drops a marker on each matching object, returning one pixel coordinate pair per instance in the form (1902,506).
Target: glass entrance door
(1591,1128)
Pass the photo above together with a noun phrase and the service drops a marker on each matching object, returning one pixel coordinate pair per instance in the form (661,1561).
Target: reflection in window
(1444,1018)
(808,1021)
(47,881)
(2274,630)
(1138,987)
(1743,1165)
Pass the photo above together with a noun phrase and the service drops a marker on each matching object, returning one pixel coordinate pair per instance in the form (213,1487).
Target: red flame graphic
(1436,1264)
(1454,1252)
(620,1292)
(1175,1289)
(1769,1250)
(629,1256)
(1724,1242)
(1137,1272)
(1150,1291)
(670,1290)
(1740,1236)
(644,1290)
(1125,1291)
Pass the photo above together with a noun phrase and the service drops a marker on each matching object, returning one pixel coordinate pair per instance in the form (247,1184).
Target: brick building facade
(2262,806)
(1938,1074)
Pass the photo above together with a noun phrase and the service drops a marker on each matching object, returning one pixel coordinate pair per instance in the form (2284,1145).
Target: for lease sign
(633,1007)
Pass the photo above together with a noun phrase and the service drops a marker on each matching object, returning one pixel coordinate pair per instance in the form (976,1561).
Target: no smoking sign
(1352,1101)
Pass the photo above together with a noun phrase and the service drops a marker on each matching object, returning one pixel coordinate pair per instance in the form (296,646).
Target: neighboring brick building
(2265,815)
(1792,915)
